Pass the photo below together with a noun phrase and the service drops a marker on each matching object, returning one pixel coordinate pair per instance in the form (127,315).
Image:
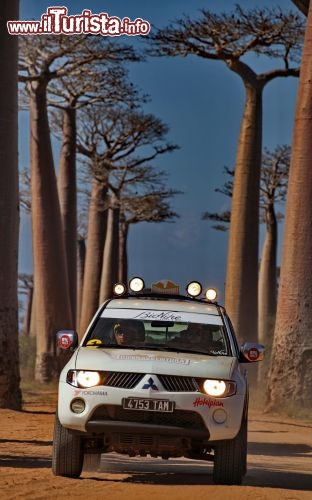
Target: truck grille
(171,383)
(122,380)
(178,418)
(178,384)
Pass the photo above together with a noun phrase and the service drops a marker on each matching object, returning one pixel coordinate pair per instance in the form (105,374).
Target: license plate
(161,405)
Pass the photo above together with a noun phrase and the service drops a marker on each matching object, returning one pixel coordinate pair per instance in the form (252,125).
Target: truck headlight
(219,388)
(83,378)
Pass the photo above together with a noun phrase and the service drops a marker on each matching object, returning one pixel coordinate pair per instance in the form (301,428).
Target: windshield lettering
(159,315)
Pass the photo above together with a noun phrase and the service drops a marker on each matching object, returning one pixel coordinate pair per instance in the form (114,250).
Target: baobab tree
(230,38)
(96,157)
(106,82)
(153,206)
(136,189)
(96,231)
(26,287)
(10,393)
(290,377)
(111,139)
(43,59)
(273,189)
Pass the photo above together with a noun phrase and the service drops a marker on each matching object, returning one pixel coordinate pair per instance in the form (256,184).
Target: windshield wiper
(165,347)
(153,347)
(191,351)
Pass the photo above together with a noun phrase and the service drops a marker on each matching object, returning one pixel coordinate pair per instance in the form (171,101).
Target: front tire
(230,461)
(67,457)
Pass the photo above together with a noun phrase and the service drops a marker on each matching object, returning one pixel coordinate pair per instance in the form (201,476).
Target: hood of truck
(153,361)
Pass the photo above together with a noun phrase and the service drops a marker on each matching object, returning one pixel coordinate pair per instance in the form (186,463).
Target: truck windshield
(194,337)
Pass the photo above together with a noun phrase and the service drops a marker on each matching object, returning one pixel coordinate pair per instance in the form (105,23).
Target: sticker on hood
(152,357)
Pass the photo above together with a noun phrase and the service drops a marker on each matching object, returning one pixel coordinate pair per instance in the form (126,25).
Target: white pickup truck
(156,373)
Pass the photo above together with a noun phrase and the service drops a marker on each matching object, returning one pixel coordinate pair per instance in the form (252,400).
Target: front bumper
(210,418)
(115,426)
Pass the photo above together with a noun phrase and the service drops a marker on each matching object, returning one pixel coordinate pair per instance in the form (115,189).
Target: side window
(233,338)
(103,331)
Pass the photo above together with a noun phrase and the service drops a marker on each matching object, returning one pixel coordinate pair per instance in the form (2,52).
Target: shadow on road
(279,479)
(179,472)
(25,462)
(30,441)
(39,412)
(264,478)
(188,472)
(279,449)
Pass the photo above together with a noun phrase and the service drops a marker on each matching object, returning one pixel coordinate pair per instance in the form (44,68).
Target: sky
(202,103)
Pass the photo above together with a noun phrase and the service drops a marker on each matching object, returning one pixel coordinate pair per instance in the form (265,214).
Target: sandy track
(279,465)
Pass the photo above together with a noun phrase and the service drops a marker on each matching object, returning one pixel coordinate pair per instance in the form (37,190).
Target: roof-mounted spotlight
(136,284)
(119,289)
(211,294)
(194,289)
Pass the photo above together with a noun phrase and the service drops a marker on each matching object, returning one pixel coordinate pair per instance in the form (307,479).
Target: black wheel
(244,438)
(230,461)
(67,457)
(92,461)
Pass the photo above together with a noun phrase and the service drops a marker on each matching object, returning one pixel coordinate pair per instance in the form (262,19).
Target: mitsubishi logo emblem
(150,385)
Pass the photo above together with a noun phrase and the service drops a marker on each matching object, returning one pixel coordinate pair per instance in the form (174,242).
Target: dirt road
(279,465)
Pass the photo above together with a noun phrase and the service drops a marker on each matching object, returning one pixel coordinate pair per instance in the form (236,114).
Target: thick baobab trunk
(10,394)
(267,290)
(67,191)
(110,255)
(94,254)
(241,294)
(50,273)
(27,317)
(32,325)
(290,378)
(123,256)
(81,257)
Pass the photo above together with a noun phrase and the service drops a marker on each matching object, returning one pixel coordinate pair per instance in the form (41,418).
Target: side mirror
(67,339)
(251,352)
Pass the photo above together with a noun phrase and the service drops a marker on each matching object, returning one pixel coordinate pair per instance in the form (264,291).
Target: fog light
(77,405)
(194,289)
(219,416)
(211,294)
(136,284)
(119,289)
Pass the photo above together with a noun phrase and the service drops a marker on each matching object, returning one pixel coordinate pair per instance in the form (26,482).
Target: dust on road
(279,464)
